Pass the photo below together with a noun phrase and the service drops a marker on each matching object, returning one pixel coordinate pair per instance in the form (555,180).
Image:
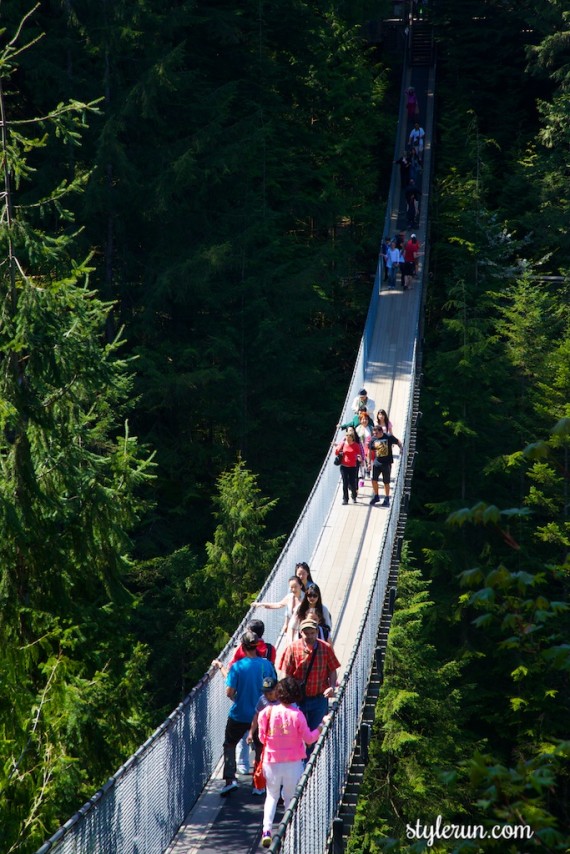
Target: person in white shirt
(362,400)
(393,263)
(416,139)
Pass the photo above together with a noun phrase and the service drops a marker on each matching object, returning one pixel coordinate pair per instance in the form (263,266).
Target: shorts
(408,268)
(383,469)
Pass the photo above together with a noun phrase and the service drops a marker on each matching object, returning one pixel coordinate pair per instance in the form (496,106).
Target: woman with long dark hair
(303,573)
(312,608)
(384,422)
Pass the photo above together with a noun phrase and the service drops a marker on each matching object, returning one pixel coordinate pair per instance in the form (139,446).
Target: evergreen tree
(240,556)
(163,623)
(498,319)
(72,701)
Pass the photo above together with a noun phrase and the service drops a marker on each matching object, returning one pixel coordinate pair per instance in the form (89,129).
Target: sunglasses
(312,595)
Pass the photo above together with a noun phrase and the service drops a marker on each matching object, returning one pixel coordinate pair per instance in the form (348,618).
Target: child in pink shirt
(284,733)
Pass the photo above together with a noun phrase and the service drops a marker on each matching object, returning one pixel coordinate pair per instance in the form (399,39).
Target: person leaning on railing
(244,685)
(291,602)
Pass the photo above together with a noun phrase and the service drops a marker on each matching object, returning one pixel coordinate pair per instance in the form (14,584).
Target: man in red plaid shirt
(321,680)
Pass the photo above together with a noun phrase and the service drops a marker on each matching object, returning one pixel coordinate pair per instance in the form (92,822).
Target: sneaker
(229,787)
(258,792)
(345,500)
(243,769)
(266,838)
(375,499)
(386,502)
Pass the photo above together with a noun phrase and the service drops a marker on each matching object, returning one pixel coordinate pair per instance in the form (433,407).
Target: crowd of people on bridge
(366,450)
(279,708)
(400,254)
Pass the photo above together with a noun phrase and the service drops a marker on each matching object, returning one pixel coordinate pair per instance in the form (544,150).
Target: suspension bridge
(165,798)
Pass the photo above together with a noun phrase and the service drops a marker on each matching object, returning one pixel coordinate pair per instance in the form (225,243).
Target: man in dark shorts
(380,449)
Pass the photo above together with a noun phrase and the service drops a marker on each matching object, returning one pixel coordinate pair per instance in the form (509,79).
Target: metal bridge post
(364,742)
(337,840)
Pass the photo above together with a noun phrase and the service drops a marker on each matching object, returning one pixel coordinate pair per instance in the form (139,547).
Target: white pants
(242,752)
(277,775)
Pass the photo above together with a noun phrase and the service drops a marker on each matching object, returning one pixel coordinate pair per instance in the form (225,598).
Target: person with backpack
(244,686)
(264,650)
(416,139)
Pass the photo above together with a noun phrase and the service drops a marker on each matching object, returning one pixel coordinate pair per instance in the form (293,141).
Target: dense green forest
(472,718)
(190,201)
(190,196)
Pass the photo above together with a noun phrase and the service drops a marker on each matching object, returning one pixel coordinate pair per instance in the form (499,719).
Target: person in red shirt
(351,459)
(411,253)
(314,663)
(264,649)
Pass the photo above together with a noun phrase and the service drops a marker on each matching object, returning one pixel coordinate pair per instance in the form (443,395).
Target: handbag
(259,781)
(338,459)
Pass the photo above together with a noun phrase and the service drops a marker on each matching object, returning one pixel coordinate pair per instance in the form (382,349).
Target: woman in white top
(291,602)
(364,433)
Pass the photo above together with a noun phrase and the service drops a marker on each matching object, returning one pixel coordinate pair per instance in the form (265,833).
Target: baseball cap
(308,624)
(249,640)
